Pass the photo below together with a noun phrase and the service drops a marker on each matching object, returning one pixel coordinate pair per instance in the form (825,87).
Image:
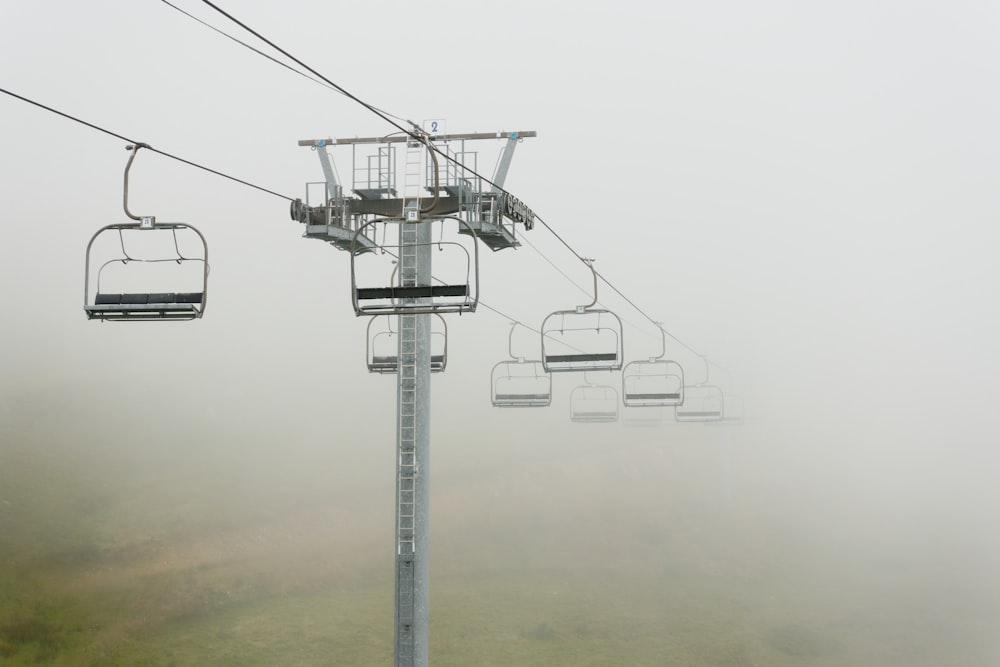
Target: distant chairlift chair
(518,382)
(594,403)
(583,339)
(383,347)
(703,402)
(654,382)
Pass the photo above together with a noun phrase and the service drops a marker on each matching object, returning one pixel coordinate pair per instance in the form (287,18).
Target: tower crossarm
(456,189)
(400,138)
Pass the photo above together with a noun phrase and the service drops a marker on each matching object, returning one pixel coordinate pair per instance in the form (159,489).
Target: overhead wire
(382,114)
(194,164)
(147,146)
(413,133)
(387,117)
(244,44)
(264,55)
(565,275)
(330,84)
(554,266)
(502,314)
(378,112)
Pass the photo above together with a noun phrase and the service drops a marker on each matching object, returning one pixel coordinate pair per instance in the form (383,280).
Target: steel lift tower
(441,188)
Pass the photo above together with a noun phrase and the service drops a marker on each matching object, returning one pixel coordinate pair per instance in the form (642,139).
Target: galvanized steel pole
(413,453)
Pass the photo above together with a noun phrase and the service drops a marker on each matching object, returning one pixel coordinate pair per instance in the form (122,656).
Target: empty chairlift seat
(129,265)
(581,340)
(383,346)
(652,383)
(154,306)
(520,384)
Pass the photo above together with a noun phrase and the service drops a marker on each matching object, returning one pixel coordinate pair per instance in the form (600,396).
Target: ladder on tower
(406,493)
(407,434)
(406,478)
(408,271)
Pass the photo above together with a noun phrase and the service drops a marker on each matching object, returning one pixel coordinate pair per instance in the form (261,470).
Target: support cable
(138,144)
(553,264)
(147,146)
(419,136)
(607,282)
(265,55)
(415,132)
(271,192)
(384,116)
(568,278)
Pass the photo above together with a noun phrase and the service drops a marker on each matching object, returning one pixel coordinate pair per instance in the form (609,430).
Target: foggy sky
(806,194)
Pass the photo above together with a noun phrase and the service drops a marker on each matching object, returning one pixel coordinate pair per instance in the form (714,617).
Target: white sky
(806,192)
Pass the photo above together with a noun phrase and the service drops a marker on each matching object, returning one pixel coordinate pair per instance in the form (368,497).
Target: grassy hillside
(633,551)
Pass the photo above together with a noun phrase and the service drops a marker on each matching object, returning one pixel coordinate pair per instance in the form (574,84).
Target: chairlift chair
(653,382)
(382,351)
(459,271)
(594,404)
(582,339)
(519,382)
(145,270)
(702,403)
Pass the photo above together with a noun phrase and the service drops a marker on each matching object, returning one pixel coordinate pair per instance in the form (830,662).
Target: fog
(804,195)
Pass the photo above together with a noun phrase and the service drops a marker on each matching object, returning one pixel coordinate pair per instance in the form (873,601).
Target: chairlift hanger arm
(422,137)
(510,343)
(128,165)
(590,264)
(687,347)
(663,339)
(708,374)
(729,375)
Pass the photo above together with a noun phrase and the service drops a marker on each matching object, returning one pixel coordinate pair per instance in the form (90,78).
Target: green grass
(597,559)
